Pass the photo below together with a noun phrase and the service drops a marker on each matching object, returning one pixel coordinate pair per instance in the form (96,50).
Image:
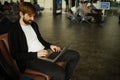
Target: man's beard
(27,22)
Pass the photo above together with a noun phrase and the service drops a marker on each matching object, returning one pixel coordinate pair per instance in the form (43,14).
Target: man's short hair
(27,7)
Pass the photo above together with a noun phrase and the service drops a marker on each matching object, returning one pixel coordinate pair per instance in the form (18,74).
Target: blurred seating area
(9,8)
(12,8)
(86,12)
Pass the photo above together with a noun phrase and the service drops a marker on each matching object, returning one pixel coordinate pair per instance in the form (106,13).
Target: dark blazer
(18,44)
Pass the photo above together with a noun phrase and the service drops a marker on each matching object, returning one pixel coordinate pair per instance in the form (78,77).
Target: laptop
(53,56)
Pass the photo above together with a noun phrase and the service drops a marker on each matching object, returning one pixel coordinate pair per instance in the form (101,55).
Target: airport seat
(4,51)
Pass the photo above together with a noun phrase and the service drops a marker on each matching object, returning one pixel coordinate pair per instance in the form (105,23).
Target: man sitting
(38,8)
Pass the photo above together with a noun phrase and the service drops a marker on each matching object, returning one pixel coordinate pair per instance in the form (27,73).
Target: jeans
(55,71)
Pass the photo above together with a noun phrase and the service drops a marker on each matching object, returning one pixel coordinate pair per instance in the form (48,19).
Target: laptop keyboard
(53,55)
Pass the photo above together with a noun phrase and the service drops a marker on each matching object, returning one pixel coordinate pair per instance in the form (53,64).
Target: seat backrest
(4,48)
(8,60)
(4,37)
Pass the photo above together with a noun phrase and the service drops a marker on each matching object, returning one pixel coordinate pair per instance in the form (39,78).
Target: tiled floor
(99,45)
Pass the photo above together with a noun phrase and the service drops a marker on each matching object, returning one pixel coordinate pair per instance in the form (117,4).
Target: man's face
(28,18)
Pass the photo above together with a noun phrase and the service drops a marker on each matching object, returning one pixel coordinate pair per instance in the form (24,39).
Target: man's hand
(55,48)
(42,53)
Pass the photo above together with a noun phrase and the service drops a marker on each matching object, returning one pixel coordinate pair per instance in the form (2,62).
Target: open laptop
(53,56)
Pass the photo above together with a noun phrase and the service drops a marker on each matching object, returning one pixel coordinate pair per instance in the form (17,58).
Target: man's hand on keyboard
(55,48)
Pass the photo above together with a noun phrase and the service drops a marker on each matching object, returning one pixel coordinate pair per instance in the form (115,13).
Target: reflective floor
(98,45)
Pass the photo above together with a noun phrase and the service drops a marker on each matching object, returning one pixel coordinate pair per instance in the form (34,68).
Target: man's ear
(20,13)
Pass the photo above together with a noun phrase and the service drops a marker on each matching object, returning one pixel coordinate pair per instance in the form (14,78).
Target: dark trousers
(56,72)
